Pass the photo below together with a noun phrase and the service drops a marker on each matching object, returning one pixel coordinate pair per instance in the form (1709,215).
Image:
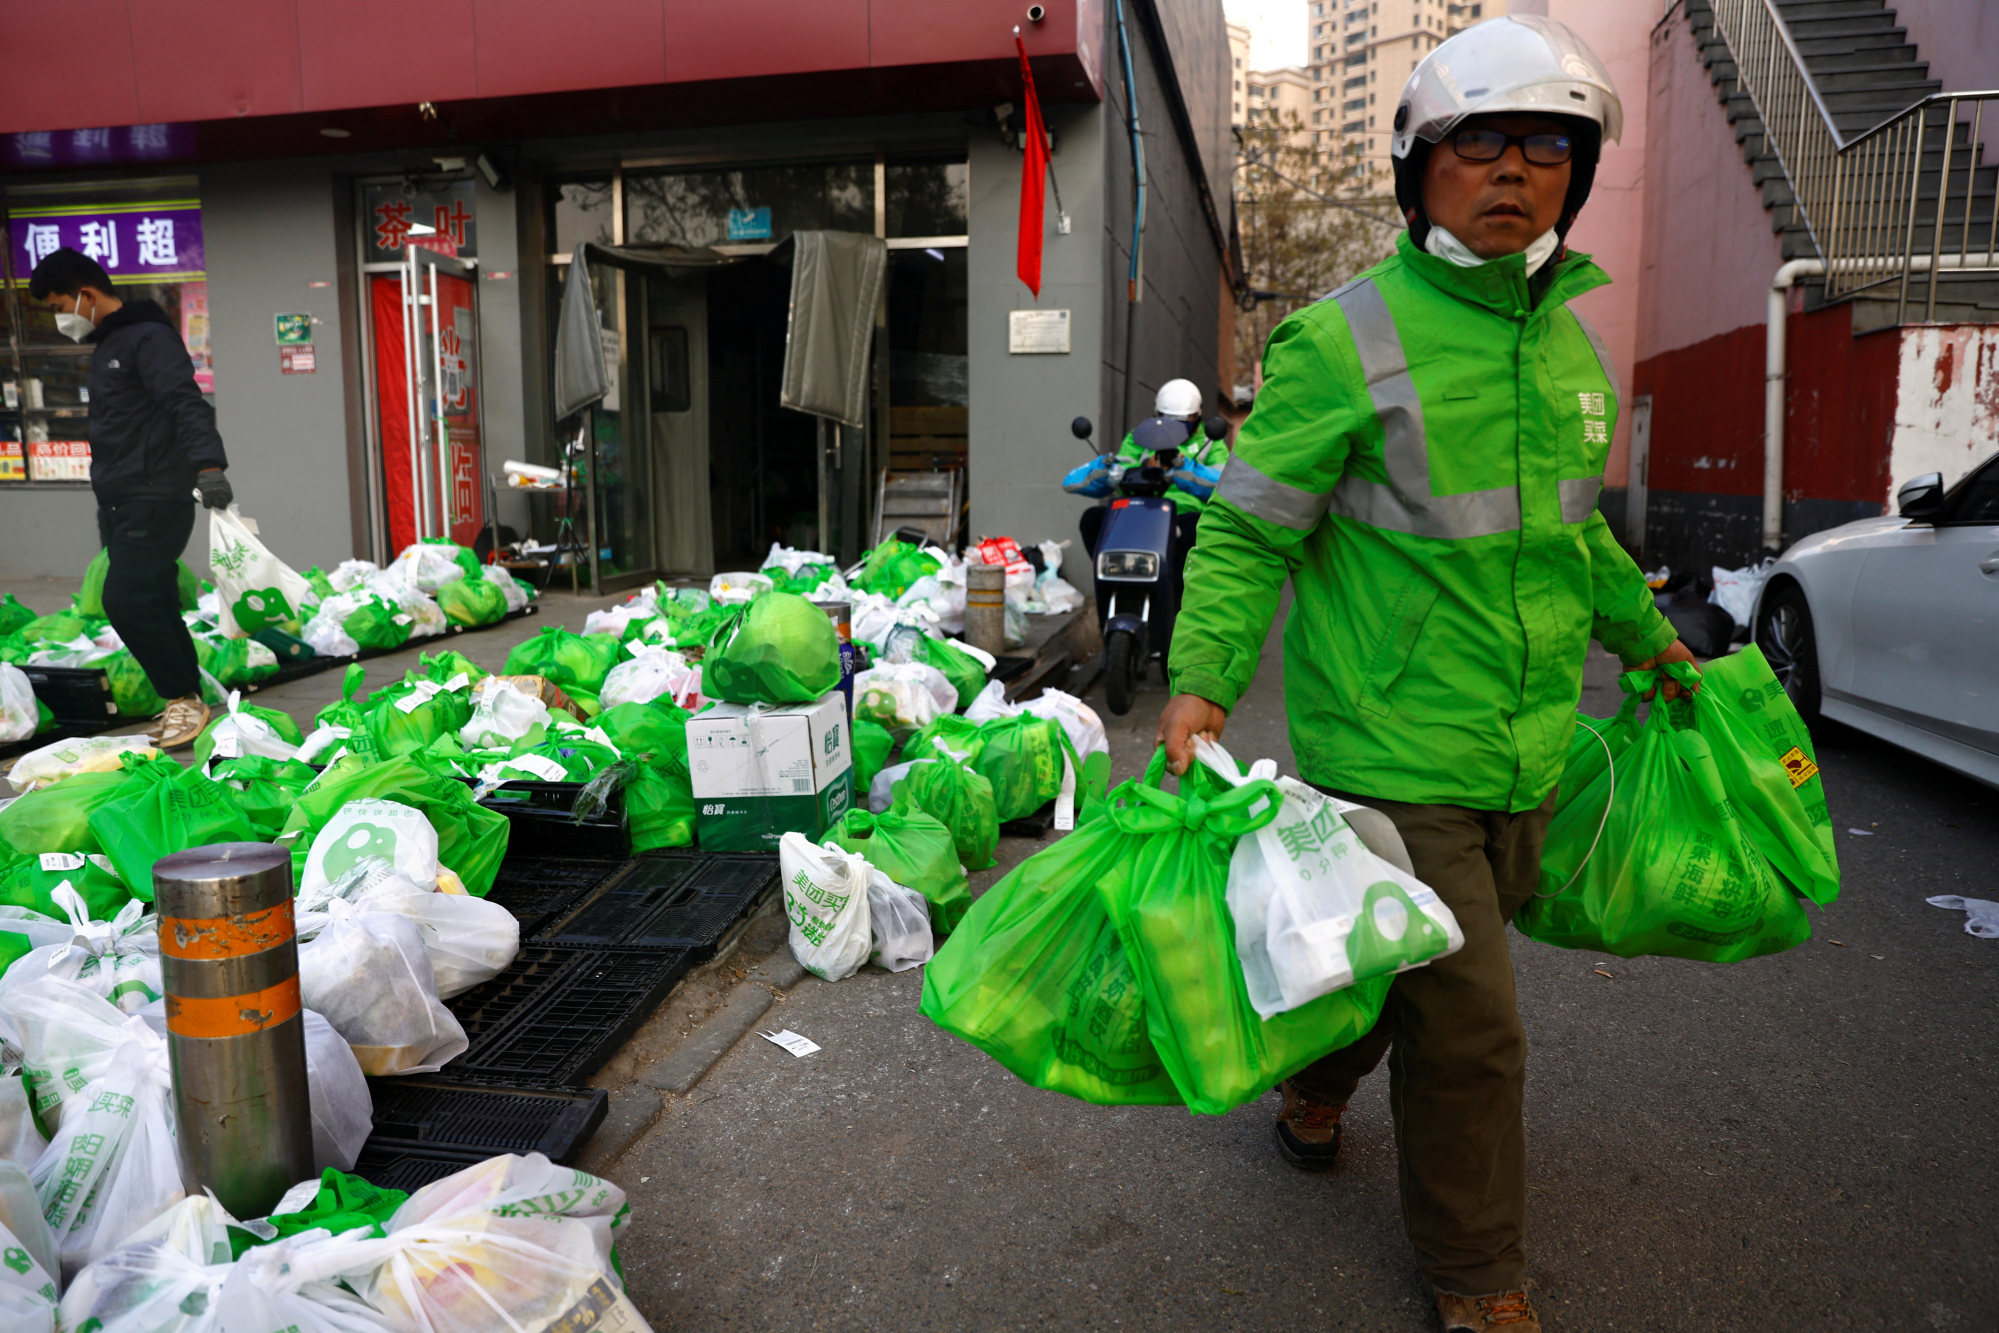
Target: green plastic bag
(966,673)
(15,649)
(960,799)
(204,744)
(1024,759)
(472,601)
(1662,864)
(1036,977)
(234,662)
(350,716)
(1169,901)
(914,850)
(1769,769)
(162,809)
(413,712)
(576,663)
(266,789)
(891,567)
(872,744)
(659,795)
(966,738)
(580,760)
(60,627)
(130,689)
(783,651)
(29,881)
(344,1204)
(471,839)
(322,586)
(13,615)
(804,581)
(465,558)
(446,666)
(377,625)
(89,599)
(57,818)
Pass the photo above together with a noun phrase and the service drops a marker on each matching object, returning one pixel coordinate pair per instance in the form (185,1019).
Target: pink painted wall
(1959,39)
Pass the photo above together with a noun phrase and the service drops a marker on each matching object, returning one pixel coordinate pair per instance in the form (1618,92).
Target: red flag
(1033,178)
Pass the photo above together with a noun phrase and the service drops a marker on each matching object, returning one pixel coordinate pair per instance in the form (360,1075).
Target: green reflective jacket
(1423,463)
(1206,452)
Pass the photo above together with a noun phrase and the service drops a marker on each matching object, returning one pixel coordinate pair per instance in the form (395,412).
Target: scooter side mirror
(1081,428)
(1217,427)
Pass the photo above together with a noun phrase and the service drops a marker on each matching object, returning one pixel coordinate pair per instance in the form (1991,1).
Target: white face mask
(1452,250)
(73,325)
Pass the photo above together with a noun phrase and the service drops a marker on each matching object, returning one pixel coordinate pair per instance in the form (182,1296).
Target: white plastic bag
(117,959)
(737,587)
(28,1263)
(1981,916)
(791,560)
(898,924)
(85,754)
(1736,590)
(1078,719)
(112,1167)
(1314,909)
(351,574)
(20,1137)
(646,675)
(826,898)
(427,618)
(515,591)
(67,1034)
(248,734)
(943,594)
(257,589)
(881,792)
(323,744)
(501,715)
(614,620)
(426,566)
(18,715)
(468,940)
(326,631)
(370,828)
(368,975)
(916,693)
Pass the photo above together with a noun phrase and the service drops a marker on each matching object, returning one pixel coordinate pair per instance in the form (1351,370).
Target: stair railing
(1859,199)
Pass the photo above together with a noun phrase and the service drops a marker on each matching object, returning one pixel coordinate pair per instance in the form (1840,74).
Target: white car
(1891,625)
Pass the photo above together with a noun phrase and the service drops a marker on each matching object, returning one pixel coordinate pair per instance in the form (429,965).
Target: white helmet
(1178,398)
(1514,63)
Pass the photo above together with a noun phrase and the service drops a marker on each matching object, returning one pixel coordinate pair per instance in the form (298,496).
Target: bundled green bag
(344,1204)
(130,689)
(57,818)
(783,651)
(960,799)
(471,839)
(804,581)
(872,744)
(446,666)
(577,663)
(29,881)
(1169,901)
(266,789)
(377,625)
(891,567)
(414,712)
(350,716)
(15,649)
(465,558)
(58,627)
(966,673)
(1769,769)
(234,662)
(580,760)
(1023,757)
(1664,865)
(659,796)
(204,744)
(966,738)
(162,809)
(914,850)
(13,615)
(322,586)
(472,601)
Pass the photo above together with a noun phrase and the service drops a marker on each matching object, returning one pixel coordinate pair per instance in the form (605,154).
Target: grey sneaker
(183,720)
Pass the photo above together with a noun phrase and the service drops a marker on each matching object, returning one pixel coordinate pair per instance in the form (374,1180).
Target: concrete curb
(631,1114)
(685,1064)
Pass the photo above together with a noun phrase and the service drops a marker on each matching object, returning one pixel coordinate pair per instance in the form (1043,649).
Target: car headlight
(1127,565)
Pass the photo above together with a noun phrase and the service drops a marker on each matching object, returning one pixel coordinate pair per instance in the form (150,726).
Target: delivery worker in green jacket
(1181,400)
(1423,464)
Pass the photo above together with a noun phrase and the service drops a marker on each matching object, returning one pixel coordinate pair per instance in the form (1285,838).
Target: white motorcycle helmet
(1178,398)
(1514,63)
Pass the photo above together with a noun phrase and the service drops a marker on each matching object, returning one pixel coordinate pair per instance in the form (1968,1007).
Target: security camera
(1036,13)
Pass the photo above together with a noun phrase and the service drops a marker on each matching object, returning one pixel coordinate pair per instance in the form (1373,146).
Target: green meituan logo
(231,558)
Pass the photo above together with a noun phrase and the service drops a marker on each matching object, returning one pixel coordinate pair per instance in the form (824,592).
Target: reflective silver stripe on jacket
(1579,498)
(1601,349)
(1269,499)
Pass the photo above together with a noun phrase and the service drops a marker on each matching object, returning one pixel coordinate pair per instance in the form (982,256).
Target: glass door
(425,321)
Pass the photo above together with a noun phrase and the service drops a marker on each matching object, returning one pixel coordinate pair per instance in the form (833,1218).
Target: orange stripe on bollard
(236,1016)
(226,936)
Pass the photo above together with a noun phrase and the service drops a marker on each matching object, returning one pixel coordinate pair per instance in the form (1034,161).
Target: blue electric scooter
(1139,544)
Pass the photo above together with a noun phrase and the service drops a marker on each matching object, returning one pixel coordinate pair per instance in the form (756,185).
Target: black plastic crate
(544,823)
(397,1167)
(571,1026)
(1034,824)
(435,1113)
(669,899)
(73,694)
(536,889)
(535,972)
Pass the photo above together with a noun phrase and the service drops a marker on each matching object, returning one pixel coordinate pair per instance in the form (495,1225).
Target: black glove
(214,488)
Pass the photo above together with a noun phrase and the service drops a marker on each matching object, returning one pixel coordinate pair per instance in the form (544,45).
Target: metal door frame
(430,433)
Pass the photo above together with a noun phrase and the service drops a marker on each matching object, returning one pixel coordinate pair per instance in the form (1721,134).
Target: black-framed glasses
(1548,148)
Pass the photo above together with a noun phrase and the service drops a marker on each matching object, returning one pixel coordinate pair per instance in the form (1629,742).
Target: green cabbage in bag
(162,809)
(577,663)
(958,798)
(266,789)
(914,850)
(1663,866)
(130,689)
(471,839)
(30,882)
(57,818)
(783,651)
(13,615)
(472,601)
(891,567)
(872,744)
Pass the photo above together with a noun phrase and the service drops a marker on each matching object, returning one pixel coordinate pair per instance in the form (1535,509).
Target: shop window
(147,235)
(749,206)
(928,198)
(579,211)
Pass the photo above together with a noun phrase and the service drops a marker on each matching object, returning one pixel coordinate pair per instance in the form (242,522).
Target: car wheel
(1784,633)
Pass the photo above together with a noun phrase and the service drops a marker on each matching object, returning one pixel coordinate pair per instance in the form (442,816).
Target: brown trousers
(1457,1056)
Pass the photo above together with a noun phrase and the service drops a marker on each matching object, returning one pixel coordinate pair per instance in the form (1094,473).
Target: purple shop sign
(158,242)
(103,145)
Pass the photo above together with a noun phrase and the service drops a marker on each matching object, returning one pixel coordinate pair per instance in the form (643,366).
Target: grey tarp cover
(836,285)
(580,377)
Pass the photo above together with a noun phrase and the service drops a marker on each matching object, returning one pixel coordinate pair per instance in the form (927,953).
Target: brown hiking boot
(1308,1130)
(183,720)
(1507,1310)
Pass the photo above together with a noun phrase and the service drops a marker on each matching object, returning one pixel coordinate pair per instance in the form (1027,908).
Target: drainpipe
(1773,395)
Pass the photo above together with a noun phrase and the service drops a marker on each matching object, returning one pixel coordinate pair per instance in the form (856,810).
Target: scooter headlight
(1134,565)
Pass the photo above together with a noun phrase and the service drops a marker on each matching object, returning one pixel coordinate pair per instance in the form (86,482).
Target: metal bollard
(235,1026)
(985,607)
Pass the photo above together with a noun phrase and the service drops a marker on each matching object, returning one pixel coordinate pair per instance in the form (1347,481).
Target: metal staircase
(1864,162)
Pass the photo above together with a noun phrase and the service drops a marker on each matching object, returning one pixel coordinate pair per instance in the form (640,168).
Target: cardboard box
(760,772)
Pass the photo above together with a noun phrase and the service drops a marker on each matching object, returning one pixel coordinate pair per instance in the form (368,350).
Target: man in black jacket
(152,446)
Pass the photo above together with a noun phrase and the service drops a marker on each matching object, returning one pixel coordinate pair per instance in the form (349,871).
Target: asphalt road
(1798,1142)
